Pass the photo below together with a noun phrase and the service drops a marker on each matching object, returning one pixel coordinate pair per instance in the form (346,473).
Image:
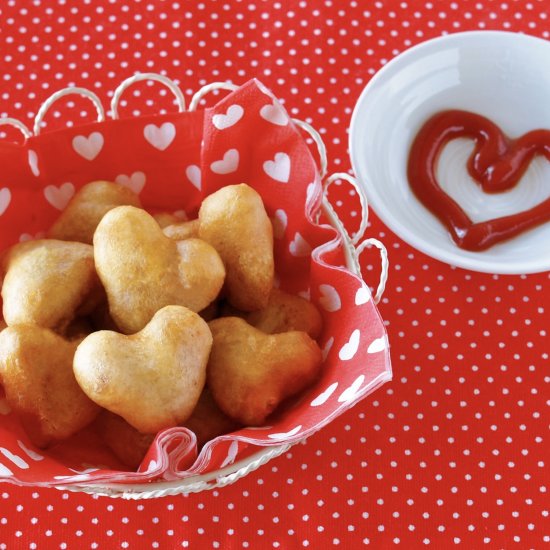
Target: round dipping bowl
(500,75)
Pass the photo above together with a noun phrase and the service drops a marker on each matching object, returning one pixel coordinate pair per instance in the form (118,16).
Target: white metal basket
(353,247)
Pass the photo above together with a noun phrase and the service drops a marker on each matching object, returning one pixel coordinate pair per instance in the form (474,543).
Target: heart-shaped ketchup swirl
(497,163)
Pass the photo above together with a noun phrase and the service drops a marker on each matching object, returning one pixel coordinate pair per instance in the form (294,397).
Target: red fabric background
(454,450)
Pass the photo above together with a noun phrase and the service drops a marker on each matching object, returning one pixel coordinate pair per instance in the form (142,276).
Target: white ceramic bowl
(500,75)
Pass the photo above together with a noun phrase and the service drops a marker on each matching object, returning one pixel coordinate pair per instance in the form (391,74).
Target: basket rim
(231,473)
(192,484)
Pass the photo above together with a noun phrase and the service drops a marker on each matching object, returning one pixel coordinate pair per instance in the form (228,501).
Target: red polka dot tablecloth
(452,451)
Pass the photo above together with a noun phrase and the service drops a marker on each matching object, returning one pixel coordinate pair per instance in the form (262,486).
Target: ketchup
(497,163)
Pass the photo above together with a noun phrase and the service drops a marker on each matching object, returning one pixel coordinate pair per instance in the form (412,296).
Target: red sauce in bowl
(497,163)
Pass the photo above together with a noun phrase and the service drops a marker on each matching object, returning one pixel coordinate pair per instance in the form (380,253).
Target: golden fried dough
(208,421)
(285,312)
(210,312)
(165,219)
(154,378)
(101,318)
(78,329)
(202,273)
(128,444)
(182,230)
(250,373)
(83,213)
(225,309)
(37,374)
(234,221)
(48,282)
(142,270)
(2,322)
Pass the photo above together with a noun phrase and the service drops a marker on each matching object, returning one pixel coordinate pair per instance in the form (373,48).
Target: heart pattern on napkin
(33,163)
(362,296)
(275,114)
(90,146)
(231,454)
(323,397)
(350,393)
(160,137)
(299,247)
(5,199)
(327,347)
(330,299)
(284,435)
(25,237)
(279,222)
(135,182)
(16,459)
(230,118)
(278,168)
(229,163)
(377,345)
(349,349)
(60,196)
(193,173)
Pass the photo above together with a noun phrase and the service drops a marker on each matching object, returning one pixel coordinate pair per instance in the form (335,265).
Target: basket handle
(169,83)
(8,121)
(364,204)
(352,252)
(195,100)
(352,248)
(367,243)
(61,93)
(321,147)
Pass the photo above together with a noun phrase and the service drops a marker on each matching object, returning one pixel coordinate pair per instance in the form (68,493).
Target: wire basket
(320,259)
